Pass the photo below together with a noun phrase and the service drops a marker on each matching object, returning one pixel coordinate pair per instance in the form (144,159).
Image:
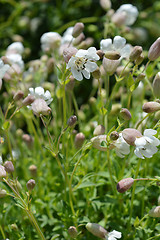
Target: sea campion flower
(16,47)
(16,61)
(122,148)
(39,92)
(3,68)
(67,36)
(119,45)
(83,63)
(129,12)
(50,41)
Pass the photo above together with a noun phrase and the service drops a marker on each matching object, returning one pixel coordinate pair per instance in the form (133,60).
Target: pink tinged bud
(78,28)
(3,193)
(39,106)
(156,85)
(155,212)
(68,53)
(79,140)
(72,231)
(18,95)
(33,170)
(71,121)
(125,184)
(99,130)
(154,51)
(125,114)
(151,107)
(114,135)
(3,173)
(135,53)
(28,100)
(31,184)
(130,135)
(112,55)
(8,165)
(97,230)
(79,39)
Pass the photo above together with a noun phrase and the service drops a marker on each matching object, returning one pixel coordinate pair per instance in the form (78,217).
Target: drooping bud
(28,100)
(8,165)
(99,130)
(96,74)
(68,53)
(71,121)
(3,173)
(125,184)
(151,107)
(135,53)
(130,135)
(125,114)
(155,212)
(139,60)
(97,230)
(112,55)
(154,51)
(39,106)
(79,39)
(156,85)
(3,193)
(33,170)
(78,28)
(79,140)
(31,184)
(114,135)
(18,95)
(105,4)
(100,53)
(72,231)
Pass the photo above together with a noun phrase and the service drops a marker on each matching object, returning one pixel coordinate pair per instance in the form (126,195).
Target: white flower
(119,45)
(3,68)
(16,60)
(122,148)
(38,92)
(50,41)
(130,11)
(16,47)
(39,106)
(67,36)
(97,141)
(146,145)
(83,63)
(114,235)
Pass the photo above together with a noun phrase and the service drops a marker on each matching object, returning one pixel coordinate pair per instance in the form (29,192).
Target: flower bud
(33,170)
(114,135)
(86,44)
(3,173)
(135,53)
(110,66)
(78,28)
(72,231)
(118,18)
(155,212)
(151,107)
(125,184)
(27,139)
(141,76)
(39,106)
(139,60)
(99,130)
(68,53)
(71,121)
(3,193)
(28,100)
(8,165)
(156,85)
(14,227)
(105,4)
(125,114)
(79,140)
(78,39)
(154,51)
(100,53)
(18,95)
(112,55)
(130,135)
(96,229)
(96,74)
(31,184)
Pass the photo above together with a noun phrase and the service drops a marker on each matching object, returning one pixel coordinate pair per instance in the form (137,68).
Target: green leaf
(103,111)
(136,222)
(132,88)
(119,79)
(59,92)
(130,81)
(86,184)
(6,125)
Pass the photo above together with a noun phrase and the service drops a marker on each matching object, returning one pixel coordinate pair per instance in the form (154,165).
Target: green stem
(139,122)
(110,172)
(107,100)
(9,144)
(3,234)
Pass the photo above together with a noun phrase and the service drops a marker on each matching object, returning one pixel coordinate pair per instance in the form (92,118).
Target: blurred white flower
(83,63)
(39,92)
(146,145)
(97,142)
(122,148)
(16,47)
(67,36)
(39,106)
(113,235)
(16,61)
(119,45)
(130,12)
(50,41)
(3,68)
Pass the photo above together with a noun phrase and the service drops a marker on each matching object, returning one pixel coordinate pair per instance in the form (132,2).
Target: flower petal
(92,55)
(81,53)
(125,51)
(138,153)
(39,91)
(149,132)
(106,44)
(77,75)
(140,142)
(91,66)
(119,42)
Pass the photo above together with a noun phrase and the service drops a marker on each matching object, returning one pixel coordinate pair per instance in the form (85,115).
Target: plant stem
(110,173)
(3,234)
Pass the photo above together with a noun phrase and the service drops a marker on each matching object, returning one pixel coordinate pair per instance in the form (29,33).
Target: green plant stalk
(139,122)
(107,101)
(110,172)
(3,234)
(101,98)
(9,143)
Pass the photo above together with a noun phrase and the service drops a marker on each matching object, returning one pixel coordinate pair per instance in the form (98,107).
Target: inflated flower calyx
(3,173)
(71,121)
(135,53)
(99,130)
(114,135)
(130,135)
(140,59)
(79,39)
(156,85)
(33,170)
(125,114)
(18,95)
(125,184)
(8,165)
(151,107)
(112,55)
(28,100)
(72,231)
(78,28)
(79,140)
(3,193)
(31,184)
(96,230)
(68,53)
(105,4)
(154,51)
(155,212)
(39,106)
(96,74)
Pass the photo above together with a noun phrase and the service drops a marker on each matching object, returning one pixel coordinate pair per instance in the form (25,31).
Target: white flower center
(80,63)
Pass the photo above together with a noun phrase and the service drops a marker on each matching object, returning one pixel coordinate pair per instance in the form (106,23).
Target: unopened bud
(3,193)
(18,95)
(72,231)
(79,39)
(71,121)
(79,140)
(96,74)
(8,165)
(14,227)
(31,184)
(154,51)
(125,184)
(78,28)
(112,55)
(86,44)
(97,230)
(3,173)
(114,135)
(99,130)
(141,76)
(125,114)
(156,85)
(27,139)
(68,53)
(105,4)
(33,170)
(135,53)
(28,100)
(100,53)
(40,106)
(151,107)
(155,212)
(130,135)
(139,60)
(118,18)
